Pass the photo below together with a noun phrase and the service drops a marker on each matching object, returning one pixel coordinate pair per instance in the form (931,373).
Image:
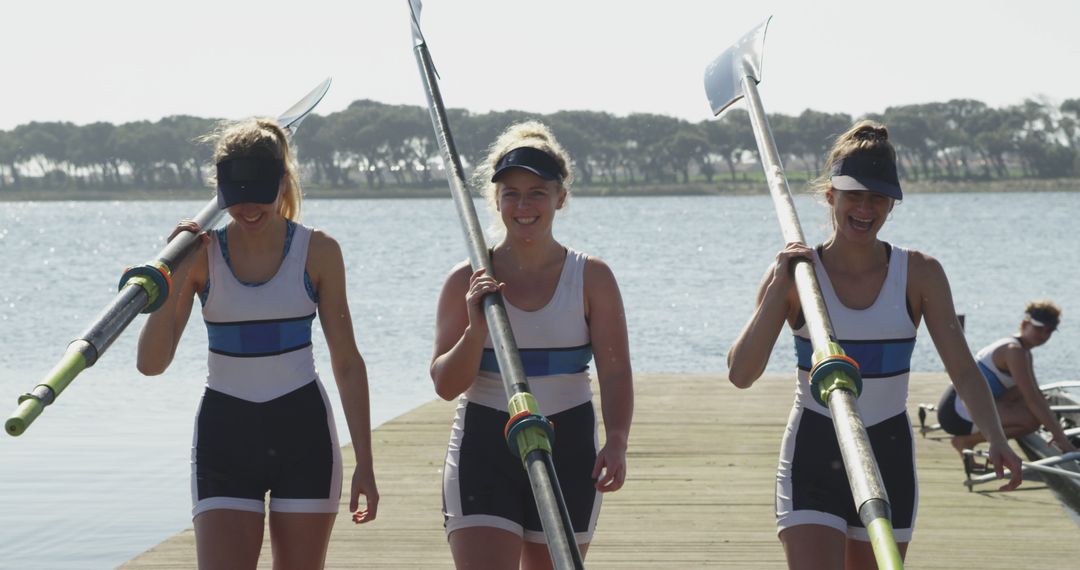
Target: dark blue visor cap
(867,171)
(534,160)
(242,180)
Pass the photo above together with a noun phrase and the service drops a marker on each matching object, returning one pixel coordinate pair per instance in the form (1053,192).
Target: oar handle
(33,403)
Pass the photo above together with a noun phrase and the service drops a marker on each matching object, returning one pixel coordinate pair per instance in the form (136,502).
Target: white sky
(125,60)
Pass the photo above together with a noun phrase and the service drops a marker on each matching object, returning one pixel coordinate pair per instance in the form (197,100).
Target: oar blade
(294,115)
(723,77)
(415,6)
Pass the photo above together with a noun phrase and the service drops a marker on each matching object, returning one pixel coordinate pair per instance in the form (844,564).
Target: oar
(1041,465)
(142,290)
(835,379)
(528,433)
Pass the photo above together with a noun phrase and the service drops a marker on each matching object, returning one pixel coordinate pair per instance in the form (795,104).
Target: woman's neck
(856,257)
(530,255)
(266,239)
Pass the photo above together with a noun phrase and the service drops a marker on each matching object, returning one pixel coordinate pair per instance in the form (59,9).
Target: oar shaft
(112,321)
(863,476)
(553,512)
(502,338)
(182,244)
(554,516)
(817,317)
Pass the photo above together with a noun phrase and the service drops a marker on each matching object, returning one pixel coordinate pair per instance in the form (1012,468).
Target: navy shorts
(485,485)
(812,485)
(286,447)
(949,419)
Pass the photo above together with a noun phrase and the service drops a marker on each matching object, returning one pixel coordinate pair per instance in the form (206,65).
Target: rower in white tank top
(553,343)
(260,335)
(881,338)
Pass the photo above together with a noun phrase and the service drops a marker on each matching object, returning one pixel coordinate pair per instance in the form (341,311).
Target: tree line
(377,146)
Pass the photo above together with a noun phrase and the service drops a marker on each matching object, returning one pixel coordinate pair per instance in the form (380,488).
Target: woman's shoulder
(920,263)
(596,272)
(320,240)
(460,273)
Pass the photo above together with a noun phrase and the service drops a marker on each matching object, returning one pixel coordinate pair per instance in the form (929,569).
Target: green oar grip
(32,404)
(154,277)
(882,541)
(527,430)
(834,370)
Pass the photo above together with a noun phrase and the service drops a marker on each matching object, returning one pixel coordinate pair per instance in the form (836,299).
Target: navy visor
(867,171)
(534,160)
(242,180)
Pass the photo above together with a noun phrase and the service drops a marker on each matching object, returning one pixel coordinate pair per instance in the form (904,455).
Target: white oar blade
(418,37)
(293,116)
(724,76)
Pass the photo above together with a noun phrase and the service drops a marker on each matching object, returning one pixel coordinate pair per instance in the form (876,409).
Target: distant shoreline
(719,188)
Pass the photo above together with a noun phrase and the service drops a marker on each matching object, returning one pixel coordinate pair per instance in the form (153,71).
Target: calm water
(103,474)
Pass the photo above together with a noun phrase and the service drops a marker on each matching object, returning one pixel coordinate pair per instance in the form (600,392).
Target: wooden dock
(702,463)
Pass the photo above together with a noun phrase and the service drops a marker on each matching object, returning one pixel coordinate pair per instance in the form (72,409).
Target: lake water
(103,473)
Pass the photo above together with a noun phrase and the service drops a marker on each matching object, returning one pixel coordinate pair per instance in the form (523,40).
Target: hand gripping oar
(142,290)
(834,378)
(527,433)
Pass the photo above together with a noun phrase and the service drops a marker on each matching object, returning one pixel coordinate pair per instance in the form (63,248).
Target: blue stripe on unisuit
(260,338)
(876,358)
(996,387)
(545,361)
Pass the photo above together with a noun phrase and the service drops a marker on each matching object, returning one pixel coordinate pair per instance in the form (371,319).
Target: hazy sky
(125,60)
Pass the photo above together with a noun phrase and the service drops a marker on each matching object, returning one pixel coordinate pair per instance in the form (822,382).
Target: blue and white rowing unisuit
(812,486)
(483,483)
(999,380)
(265,423)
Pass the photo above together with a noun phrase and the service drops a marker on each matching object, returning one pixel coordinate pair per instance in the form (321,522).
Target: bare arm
(162,330)
(1019,363)
(460,330)
(931,296)
(611,353)
(777,301)
(327,271)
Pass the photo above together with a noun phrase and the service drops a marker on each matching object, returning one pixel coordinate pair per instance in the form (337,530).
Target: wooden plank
(702,465)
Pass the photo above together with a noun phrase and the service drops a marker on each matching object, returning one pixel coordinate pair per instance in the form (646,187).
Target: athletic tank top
(554,346)
(260,336)
(880,338)
(999,380)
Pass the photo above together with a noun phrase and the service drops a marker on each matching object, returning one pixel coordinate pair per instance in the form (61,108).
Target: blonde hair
(259,138)
(533,134)
(864,136)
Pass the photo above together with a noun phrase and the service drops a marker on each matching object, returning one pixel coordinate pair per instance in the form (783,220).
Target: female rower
(876,294)
(564,307)
(1008,368)
(265,423)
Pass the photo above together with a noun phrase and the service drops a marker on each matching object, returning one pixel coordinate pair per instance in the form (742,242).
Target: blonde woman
(565,310)
(265,424)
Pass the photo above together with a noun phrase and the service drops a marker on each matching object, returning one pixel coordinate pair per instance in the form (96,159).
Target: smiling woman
(265,423)
(875,294)
(564,307)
